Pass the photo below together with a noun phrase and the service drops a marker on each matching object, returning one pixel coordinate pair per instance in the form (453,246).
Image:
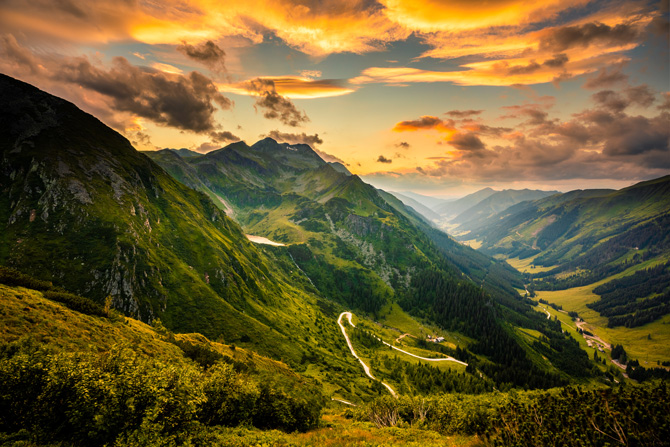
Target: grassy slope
(599,214)
(346,226)
(108,221)
(590,218)
(340,431)
(635,340)
(25,313)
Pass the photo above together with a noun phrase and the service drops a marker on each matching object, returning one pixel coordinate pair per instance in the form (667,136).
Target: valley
(230,282)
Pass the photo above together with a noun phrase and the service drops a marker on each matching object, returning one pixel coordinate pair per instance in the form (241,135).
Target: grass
(394,317)
(25,312)
(635,340)
(523,265)
(567,325)
(473,243)
(338,431)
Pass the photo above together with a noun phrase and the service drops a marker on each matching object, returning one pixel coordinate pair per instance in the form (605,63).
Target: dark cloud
(185,102)
(558,61)
(12,52)
(294,138)
(610,100)
(535,113)
(567,37)
(382,159)
(617,102)
(276,106)
(403,145)
(463,113)
(483,129)
(223,136)
(641,95)
(137,138)
(423,123)
(635,135)
(606,78)
(467,142)
(660,25)
(665,105)
(601,142)
(208,53)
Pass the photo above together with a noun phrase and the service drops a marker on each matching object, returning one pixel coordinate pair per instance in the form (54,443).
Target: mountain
(417,206)
(452,209)
(339,167)
(582,237)
(366,250)
(110,228)
(427,201)
(493,204)
(183,152)
(80,207)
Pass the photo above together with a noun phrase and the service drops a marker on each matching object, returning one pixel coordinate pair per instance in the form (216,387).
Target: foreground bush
(571,416)
(123,398)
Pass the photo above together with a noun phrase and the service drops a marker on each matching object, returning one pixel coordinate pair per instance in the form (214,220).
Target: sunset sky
(439,97)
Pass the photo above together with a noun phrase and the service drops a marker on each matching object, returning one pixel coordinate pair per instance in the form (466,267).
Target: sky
(438,97)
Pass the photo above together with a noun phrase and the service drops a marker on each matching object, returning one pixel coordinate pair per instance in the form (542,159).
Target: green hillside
(364,249)
(611,248)
(82,209)
(583,236)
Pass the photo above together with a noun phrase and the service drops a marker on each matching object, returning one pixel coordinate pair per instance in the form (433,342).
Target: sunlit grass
(523,265)
(635,340)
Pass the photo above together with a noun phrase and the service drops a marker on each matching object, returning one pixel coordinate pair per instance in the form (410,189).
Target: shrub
(76,302)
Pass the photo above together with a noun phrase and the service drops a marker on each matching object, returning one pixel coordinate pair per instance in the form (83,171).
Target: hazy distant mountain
(452,209)
(495,203)
(417,206)
(589,219)
(428,201)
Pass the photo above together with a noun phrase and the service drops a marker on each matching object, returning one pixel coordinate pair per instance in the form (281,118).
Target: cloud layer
(610,139)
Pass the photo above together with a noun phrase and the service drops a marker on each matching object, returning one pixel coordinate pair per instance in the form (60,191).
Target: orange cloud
(294,87)
(316,27)
(462,15)
(166,68)
(453,28)
(505,72)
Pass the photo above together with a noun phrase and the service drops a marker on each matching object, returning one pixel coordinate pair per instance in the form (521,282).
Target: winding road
(351,348)
(366,368)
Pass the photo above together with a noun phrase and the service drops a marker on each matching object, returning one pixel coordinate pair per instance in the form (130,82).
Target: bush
(77,303)
(231,398)
(14,278)
(119,396)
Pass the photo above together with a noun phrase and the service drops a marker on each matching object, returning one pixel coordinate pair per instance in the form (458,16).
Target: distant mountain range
(585,236)
(467,213)
(450,210)
(417,206)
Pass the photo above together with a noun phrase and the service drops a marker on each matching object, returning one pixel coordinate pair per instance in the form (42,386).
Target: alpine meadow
(334,223)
